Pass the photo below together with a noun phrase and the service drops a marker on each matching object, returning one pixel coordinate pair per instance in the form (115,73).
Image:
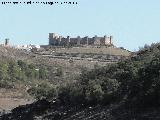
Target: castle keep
(56,40)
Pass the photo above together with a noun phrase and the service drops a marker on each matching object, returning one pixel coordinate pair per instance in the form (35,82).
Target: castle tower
(111,40)
(105,39)
(60,40)
(78,40)
(6,42)
(108,40)
(68,40)
(51,36)
(53,39)
(96,40)
(87,40)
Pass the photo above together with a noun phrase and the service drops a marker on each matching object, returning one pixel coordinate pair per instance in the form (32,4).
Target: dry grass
(102,50)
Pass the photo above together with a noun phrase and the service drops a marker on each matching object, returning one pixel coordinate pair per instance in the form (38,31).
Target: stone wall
(56,40)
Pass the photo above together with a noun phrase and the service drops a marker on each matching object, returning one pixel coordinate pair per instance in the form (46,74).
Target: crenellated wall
(56,40)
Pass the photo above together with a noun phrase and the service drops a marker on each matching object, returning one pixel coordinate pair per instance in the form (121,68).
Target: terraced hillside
(95,50)
(70,60)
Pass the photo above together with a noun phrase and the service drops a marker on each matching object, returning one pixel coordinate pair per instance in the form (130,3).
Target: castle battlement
(57,40)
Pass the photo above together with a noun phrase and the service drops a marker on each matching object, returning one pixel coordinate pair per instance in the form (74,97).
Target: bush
(6,84)
(59,72)
(147,87)
(43,90)
(71,94)
(94,93)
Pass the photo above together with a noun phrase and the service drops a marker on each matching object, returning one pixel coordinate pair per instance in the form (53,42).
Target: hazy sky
(131,22)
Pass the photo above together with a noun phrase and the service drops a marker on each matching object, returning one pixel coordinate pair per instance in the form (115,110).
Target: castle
(56,40)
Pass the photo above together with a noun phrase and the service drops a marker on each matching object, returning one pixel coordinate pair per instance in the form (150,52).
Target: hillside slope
(125,90)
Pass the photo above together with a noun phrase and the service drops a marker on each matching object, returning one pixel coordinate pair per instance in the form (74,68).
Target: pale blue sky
(131,22)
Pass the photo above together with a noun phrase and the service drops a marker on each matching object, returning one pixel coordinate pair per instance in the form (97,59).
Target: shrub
(43,90)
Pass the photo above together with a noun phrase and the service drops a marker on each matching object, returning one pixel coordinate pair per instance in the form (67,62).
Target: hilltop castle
(56,40)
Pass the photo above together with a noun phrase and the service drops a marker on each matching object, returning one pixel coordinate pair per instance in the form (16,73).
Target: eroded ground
(11,98)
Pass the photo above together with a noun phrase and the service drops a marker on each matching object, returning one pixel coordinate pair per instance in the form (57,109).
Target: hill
(128,89)
(56,70)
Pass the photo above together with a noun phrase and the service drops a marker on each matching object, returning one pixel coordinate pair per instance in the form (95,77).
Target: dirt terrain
(95,50)
(11,98)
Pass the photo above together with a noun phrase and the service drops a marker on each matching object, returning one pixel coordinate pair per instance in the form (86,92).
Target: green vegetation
(12,71)
(43,90)
(134,82)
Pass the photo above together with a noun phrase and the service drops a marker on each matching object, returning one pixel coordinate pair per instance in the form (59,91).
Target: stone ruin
(57,40)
